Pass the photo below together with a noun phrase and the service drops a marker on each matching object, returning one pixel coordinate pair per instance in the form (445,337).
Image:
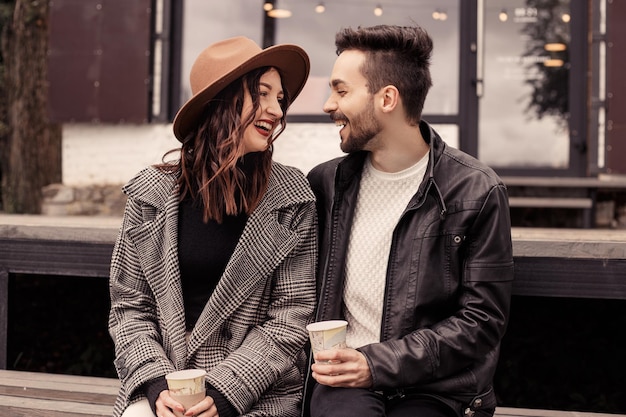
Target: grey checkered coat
(251,333)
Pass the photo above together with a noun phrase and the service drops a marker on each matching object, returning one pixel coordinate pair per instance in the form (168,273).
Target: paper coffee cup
(329,334)
(187,387)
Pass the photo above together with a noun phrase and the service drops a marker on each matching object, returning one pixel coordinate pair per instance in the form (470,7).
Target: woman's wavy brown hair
(208,164)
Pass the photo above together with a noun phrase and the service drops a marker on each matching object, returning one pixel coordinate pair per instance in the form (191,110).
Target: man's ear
(390,97)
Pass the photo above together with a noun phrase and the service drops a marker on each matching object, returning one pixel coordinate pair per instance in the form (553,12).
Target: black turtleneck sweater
(204,249)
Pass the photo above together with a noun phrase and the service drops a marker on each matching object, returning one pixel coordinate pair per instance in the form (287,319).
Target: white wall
(112,154)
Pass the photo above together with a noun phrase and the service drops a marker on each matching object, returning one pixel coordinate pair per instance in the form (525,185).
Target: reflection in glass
(205,22)
(524,110)
(548,36)
(315,32)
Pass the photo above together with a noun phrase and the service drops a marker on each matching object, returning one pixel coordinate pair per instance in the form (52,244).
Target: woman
(214,264)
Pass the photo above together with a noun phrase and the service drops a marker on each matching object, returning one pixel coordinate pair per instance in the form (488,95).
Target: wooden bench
(577,263)
(552,202)
(52,395)
(562,192)
(27,394)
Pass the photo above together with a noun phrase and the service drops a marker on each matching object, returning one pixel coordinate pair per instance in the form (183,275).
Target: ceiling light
(553,63)
(503,16)
(279,13)
(378,11)
(268,6)
(555,47)
(320,8)
(566,17)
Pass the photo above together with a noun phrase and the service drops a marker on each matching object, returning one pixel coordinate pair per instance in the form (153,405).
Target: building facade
(531,87)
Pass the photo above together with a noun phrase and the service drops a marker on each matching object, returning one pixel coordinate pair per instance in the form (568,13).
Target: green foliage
(550,84)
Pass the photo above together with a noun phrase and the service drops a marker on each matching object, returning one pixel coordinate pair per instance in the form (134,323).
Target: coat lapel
(263,245)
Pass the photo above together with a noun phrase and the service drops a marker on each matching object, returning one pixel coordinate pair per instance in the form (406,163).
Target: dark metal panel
(176,56)
(49,257)
(87,253)
(468,98)
(534,276)
(576,278)
(99,60)
(616,88)
(73,65)
(126,61)
(4,316)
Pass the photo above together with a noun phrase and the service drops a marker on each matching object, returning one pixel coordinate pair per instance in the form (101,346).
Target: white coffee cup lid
(326,325)
(186,374)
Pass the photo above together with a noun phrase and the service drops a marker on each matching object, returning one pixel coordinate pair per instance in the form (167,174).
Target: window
(315,32)
(525,103)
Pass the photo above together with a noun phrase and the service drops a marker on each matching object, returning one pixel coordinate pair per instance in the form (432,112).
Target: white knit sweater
(382,199)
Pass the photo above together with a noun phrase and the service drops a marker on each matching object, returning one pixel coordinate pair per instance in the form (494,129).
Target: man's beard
(363,128)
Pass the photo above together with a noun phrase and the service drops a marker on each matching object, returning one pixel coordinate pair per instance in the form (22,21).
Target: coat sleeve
(471,335)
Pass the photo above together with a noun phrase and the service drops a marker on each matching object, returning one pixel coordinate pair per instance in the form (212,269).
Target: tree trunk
(32,152)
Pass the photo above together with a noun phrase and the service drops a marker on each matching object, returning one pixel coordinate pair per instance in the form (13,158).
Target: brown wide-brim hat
(223,62)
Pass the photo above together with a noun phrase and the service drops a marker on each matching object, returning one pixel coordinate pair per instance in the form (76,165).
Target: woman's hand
(165,405)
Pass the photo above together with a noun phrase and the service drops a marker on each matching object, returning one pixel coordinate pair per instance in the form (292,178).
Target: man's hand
(165,405)
(342,368)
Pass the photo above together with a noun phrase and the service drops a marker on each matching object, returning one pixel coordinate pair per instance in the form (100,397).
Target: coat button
(123,373)
(478,403)
(469,412)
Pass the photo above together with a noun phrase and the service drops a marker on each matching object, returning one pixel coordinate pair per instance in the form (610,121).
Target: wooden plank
(551,202)
(569,235)
(566,182)
(42,380)
(569,243)
(529,412)
(54,395)
(60,228)
(34,377)
(21,407)
(60,395)
(69,258)
(575,278)
(75,388)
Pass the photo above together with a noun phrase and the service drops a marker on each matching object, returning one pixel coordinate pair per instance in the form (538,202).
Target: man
(415,246)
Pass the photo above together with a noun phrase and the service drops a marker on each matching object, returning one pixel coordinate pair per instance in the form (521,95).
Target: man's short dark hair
(395,55)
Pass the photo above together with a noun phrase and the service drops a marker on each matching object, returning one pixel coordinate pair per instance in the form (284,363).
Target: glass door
(526,88)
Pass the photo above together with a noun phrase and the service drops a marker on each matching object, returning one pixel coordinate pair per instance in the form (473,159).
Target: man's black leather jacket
(449,276)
